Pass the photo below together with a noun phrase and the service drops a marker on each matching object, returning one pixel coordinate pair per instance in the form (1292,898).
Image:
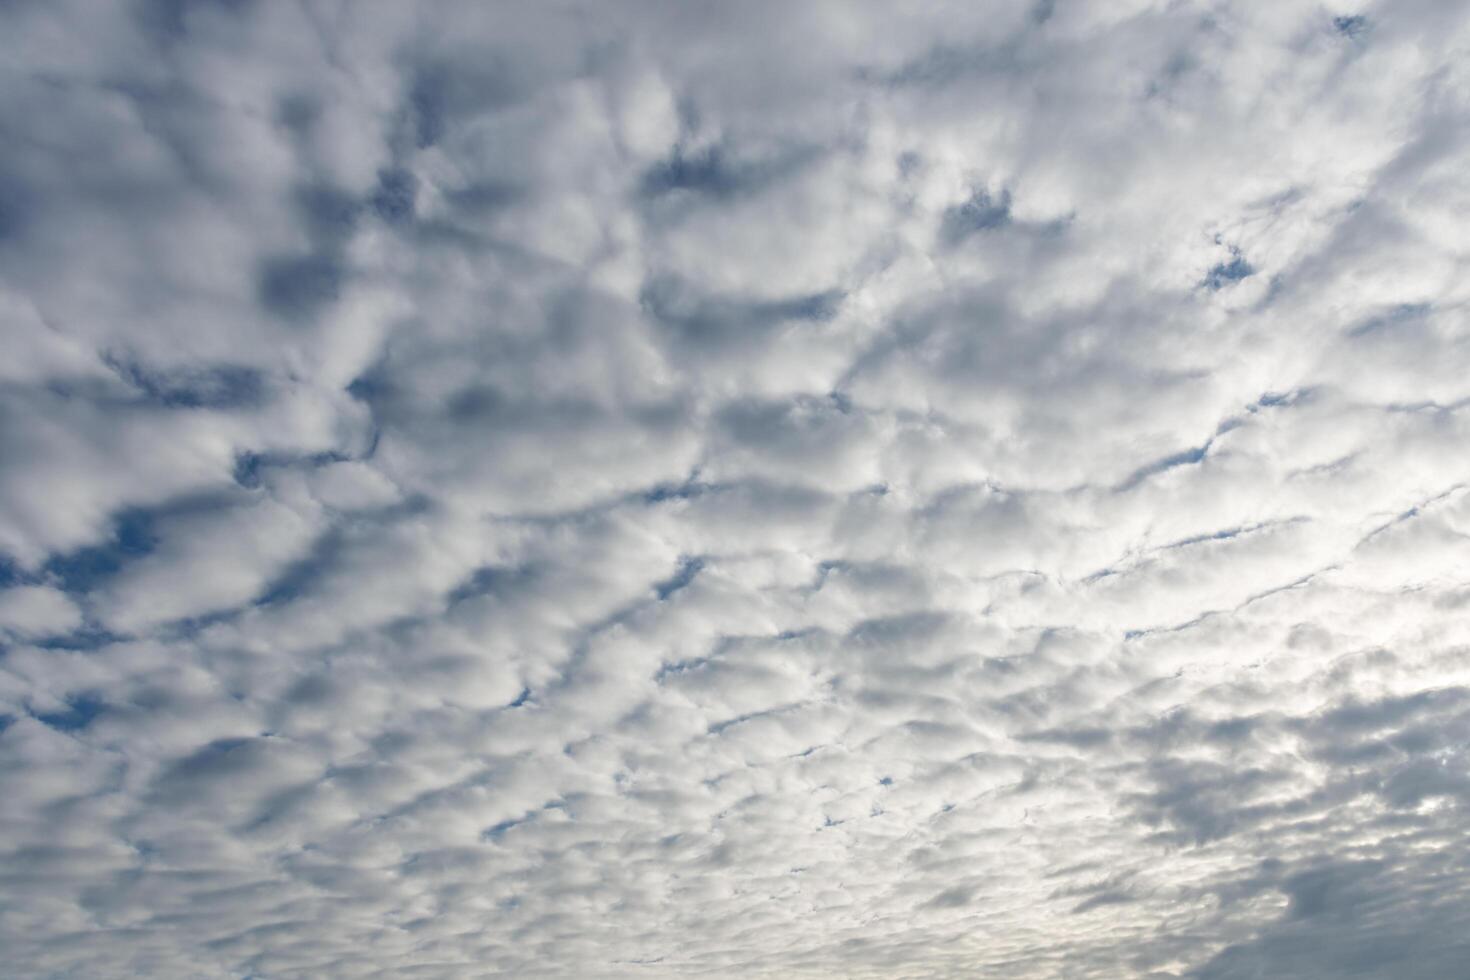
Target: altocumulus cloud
(721,490)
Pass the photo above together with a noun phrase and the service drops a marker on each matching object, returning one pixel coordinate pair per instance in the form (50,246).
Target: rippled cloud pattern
(791,490)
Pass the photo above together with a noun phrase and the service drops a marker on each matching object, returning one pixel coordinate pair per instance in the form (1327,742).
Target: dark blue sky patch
(720,727)
(176,630)
(89,637)
(717,174)
(759,422)
(299,287)
(1323,889)
(221,759)
(1272,399)
(952,898)
(664,492)
(79,712)
(485,196)
(1401,316)
(17,207)
(168,20)
(220,386)
(299,576)
(1077,738)
(947,63)
(718,321)
(133,536)
(682,577)
(250,467)
(1225,535)
(328,214)
(499,830)
(443,91)
(427,104)
(707,172)
(940,66)
(1174,71)
(368,387)
(393,201)
(299,113)
(674,669)
(1186,457)
(1101,899)
(980,213)
(495,580)
(481,403)
(373,386)
(817,307)
(1226,273)
(312,689)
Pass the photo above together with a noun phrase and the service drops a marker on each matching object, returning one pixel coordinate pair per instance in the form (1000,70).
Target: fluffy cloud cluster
(734,490)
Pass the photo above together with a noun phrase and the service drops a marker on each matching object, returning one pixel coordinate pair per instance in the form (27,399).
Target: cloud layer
(763,489)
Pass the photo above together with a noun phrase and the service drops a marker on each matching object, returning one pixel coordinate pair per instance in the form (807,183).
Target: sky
(767,489)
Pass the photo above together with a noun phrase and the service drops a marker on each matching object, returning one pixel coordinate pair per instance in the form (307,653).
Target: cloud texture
(734,490)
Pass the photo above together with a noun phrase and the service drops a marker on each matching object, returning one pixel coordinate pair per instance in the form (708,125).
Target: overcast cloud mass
(763,489)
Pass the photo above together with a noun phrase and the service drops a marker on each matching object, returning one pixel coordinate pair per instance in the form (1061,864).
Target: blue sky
(643,489)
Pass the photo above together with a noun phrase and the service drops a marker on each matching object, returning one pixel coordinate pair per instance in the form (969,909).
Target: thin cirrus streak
(642,489)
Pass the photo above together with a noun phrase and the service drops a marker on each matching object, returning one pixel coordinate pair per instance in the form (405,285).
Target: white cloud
(758,490)
(35,610)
